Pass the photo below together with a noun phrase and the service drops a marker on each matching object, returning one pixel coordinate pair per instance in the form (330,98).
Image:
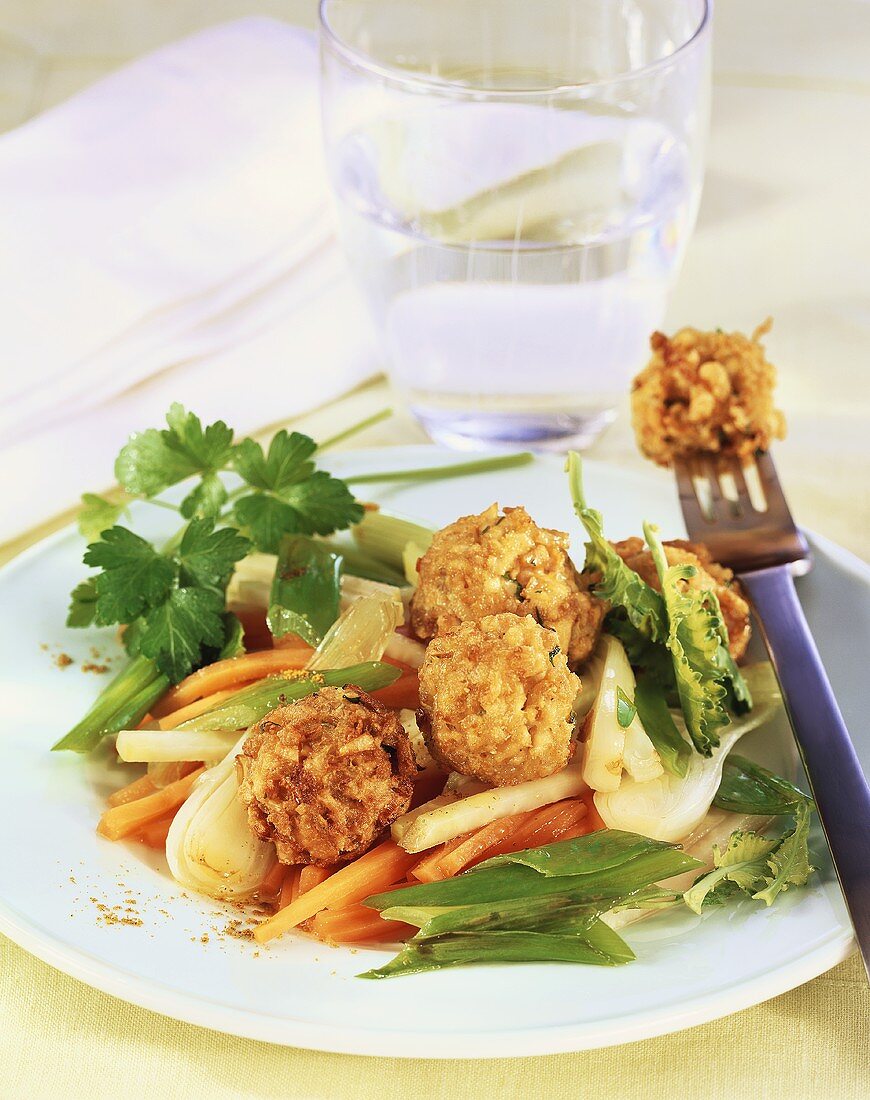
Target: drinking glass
(516,181)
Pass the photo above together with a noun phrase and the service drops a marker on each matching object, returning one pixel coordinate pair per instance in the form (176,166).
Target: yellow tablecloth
(782,230)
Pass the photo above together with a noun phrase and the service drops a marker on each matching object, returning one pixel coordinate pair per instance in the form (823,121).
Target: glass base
(545,431)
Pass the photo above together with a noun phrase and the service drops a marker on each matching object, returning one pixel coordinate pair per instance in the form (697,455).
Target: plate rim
(523,1042)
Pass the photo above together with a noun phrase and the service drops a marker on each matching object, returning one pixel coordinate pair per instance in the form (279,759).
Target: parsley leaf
(134,577)
(285,464)
(83,604)
(153,460)
(97,514)
(206,557)
(324,504)
(175,631)
(206,498)
(319,505)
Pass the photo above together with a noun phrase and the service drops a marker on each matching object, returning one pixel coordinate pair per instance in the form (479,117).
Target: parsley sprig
(173,598)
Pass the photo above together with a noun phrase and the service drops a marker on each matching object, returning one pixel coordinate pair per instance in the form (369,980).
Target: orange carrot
(154,835)
(565,816)
(372,872)
(120,821)
(478,845)
(232,672)
(289,887)
(310,876)
(273,883)
(356,923)
(404,694)
(193,710)
(137,789)
(429,867)
(595,818)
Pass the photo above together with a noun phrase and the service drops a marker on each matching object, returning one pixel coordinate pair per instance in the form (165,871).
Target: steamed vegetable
(418,830)
(671,806)
(210,846)
(544,904)
(249,705)
(385,536)
(619,584)
(615,736)
(305,589)
(146,746)
(756,865)
(748,788)
(695,639)
(361,633)
(652,710)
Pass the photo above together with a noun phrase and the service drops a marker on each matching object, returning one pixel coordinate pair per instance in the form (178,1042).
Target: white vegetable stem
(360,633)
(210,847)
(162,746)
(671,807)
(433,824)
(609,748)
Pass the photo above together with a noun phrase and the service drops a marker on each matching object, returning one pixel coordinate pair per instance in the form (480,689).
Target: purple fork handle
(840,788)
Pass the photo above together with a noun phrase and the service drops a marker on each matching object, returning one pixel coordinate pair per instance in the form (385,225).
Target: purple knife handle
(840,788)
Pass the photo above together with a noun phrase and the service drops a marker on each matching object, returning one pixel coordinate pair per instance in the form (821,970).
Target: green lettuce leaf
(742,863)
(694,640)
(789,863)
(619,585)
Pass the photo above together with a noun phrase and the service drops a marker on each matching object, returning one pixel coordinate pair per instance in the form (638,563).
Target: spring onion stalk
(545,904)
(123,702)
(384,536)
(440,473)
(250,704)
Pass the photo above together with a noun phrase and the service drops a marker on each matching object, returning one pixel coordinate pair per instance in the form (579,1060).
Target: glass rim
(359,59)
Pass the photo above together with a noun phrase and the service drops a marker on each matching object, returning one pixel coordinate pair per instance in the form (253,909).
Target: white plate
(301,993)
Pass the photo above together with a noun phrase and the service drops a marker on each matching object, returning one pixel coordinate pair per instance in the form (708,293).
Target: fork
(741,514)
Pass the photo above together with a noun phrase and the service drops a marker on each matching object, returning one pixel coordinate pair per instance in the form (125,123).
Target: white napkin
(168,229)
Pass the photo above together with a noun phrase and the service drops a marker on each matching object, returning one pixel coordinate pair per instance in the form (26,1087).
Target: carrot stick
(121,821)
(193,710)
(231,672)
(154,835)
(429,867)
(478,845)
(356,923)
(291,882)
(404,694)
(311,876)
(378,868)
(273,883)
(595,818)
(137,789)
